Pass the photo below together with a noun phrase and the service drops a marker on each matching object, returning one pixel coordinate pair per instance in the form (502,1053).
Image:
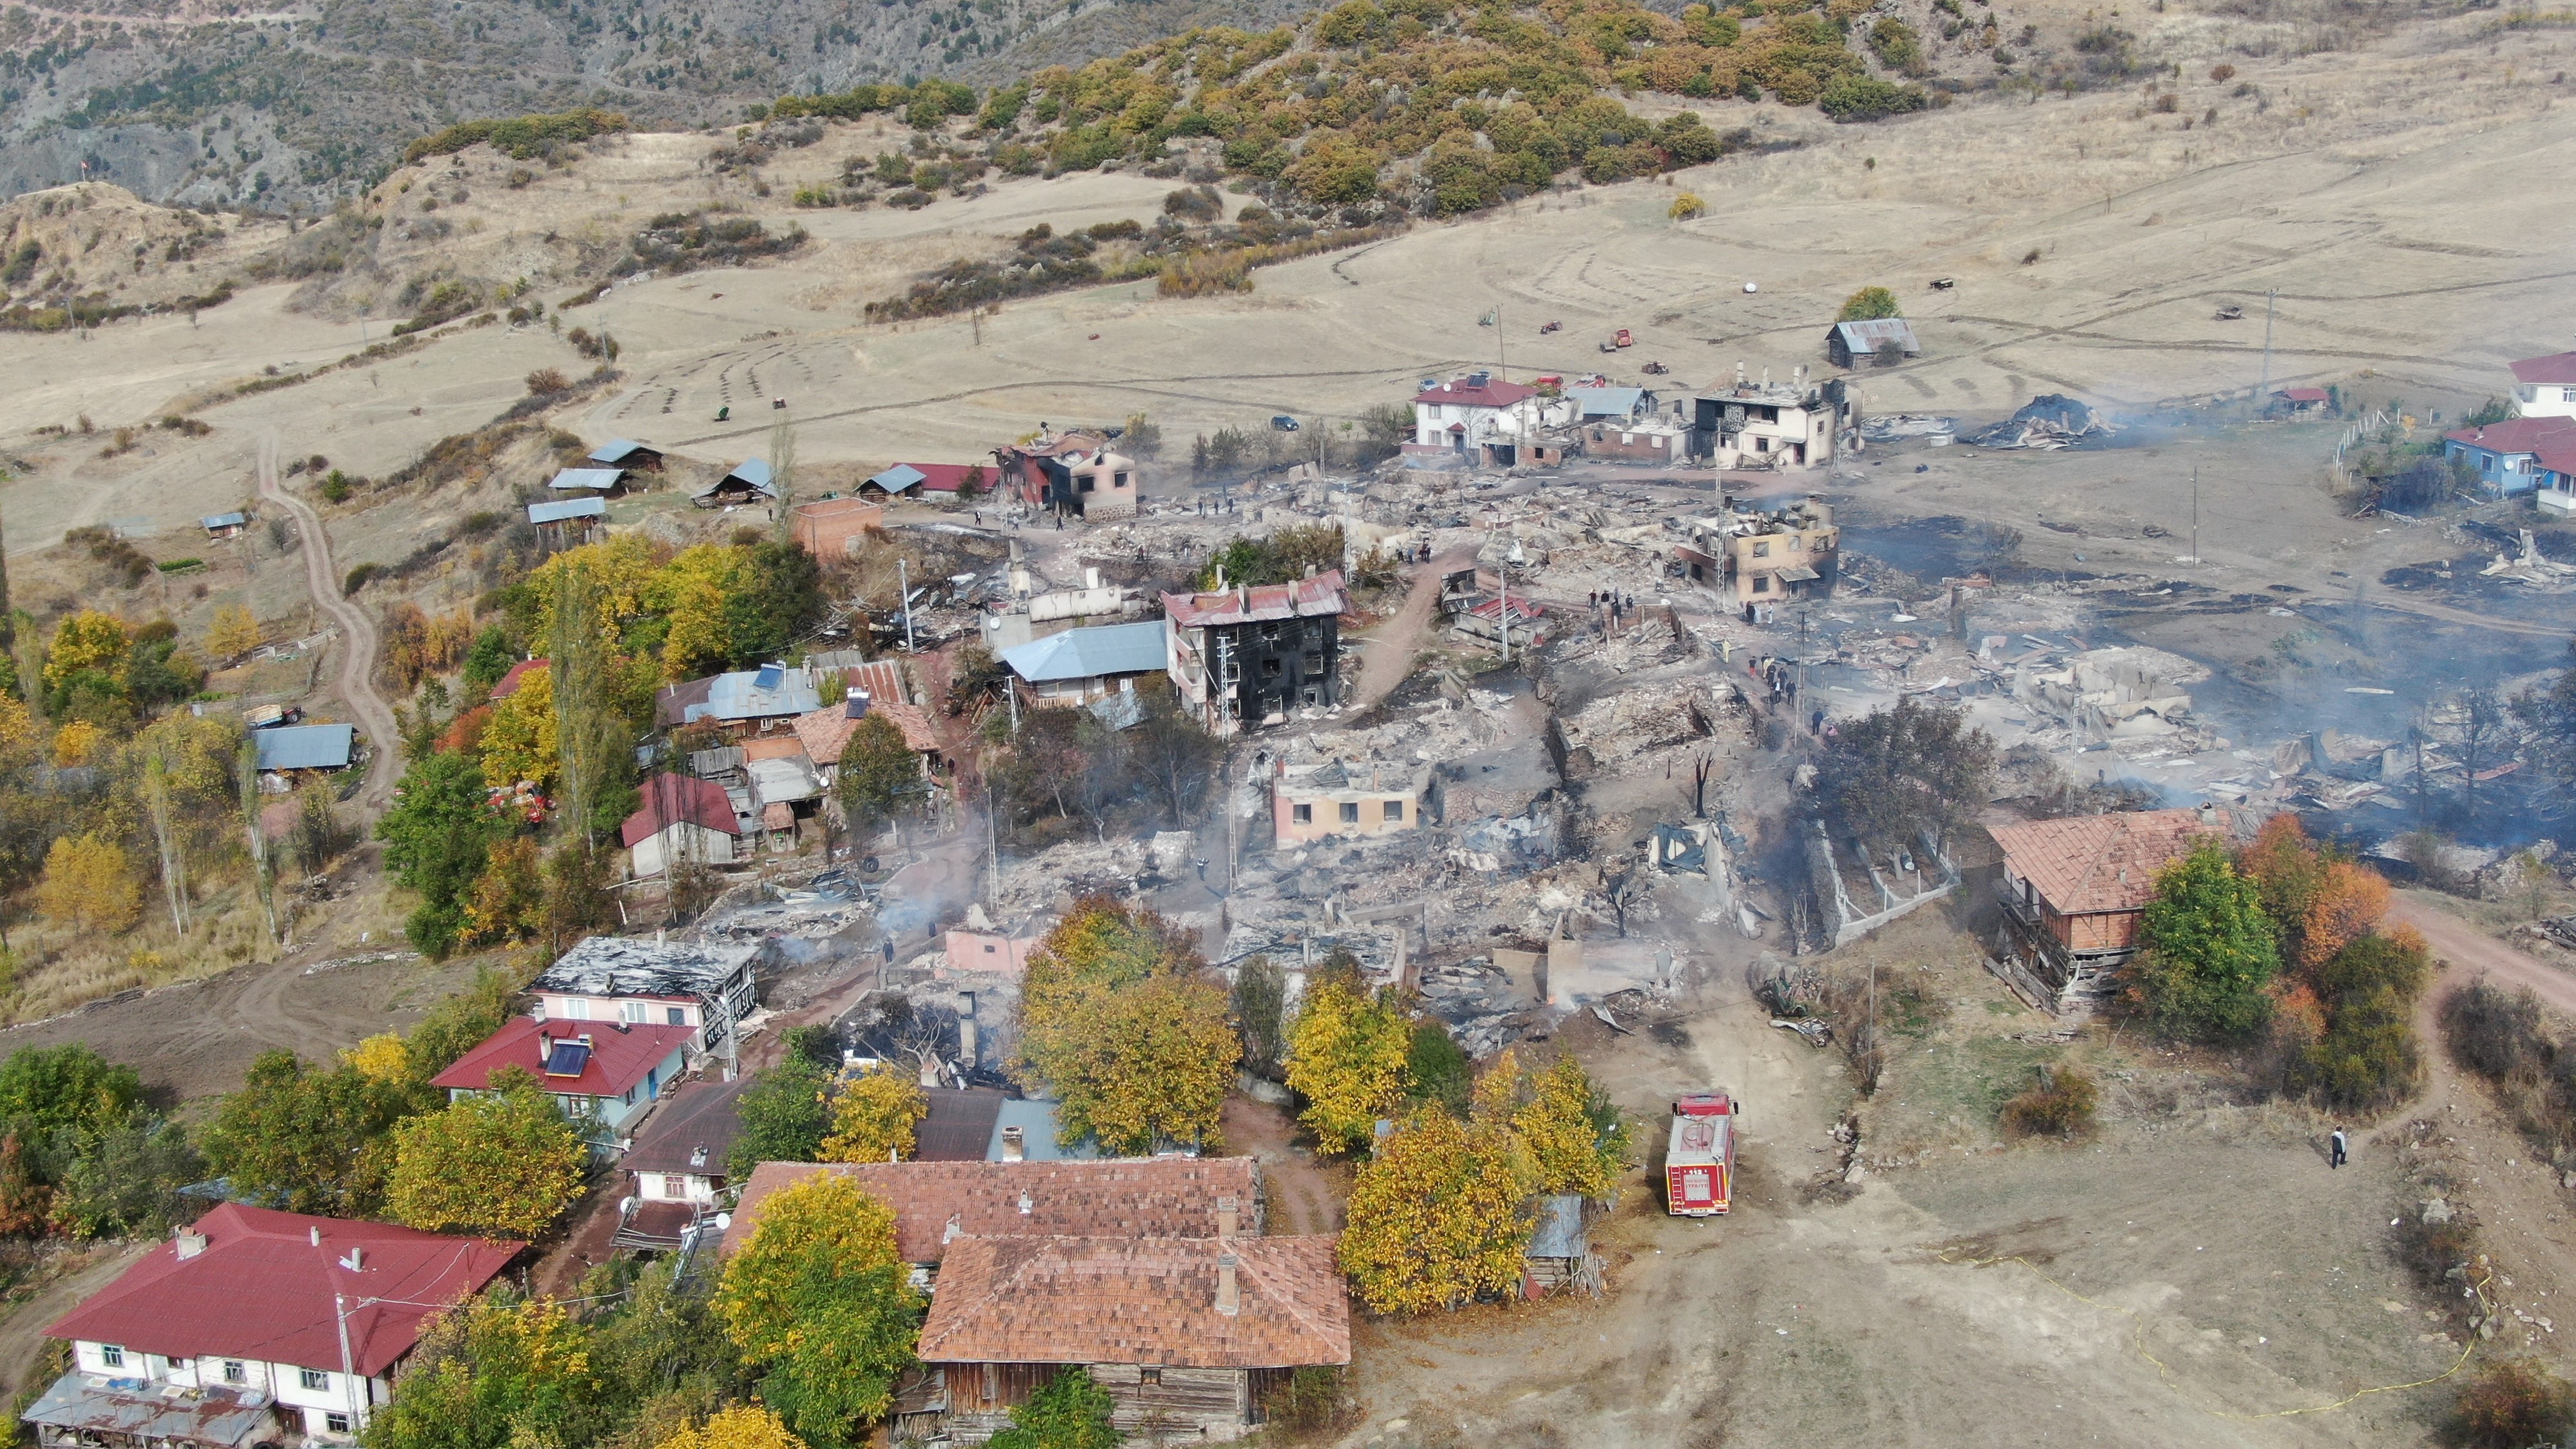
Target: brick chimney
(1228,1300)
(1015,1144)
(1225,1219)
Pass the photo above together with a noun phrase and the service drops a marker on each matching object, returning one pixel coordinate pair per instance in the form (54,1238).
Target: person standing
(2339,1152)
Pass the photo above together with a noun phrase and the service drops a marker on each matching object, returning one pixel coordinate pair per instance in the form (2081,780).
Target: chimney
(1026,1204)
(356,1262)
(1225,1220)
(967,1053)
(1015,1148)
(316,1231)
(1228,1301)
(190,1242)
(855,704)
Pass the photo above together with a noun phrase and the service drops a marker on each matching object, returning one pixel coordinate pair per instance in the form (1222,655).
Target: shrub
(1865,98)
(2060,1106)
(2209,951)
(2512,1405)
(1687,207)
(547,381)
(519,137)
(2222,72)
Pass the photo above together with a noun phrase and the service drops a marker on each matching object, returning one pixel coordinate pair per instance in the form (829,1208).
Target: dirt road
(356,683)
(2471,951)
(1392,647)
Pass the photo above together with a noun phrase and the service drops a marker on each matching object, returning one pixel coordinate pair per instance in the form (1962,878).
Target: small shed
(569,522)
(2300,400)
(227,525)
(627,453)
(600,482)
(747,483)
(1559,1255)
(1851,344)
(305,747)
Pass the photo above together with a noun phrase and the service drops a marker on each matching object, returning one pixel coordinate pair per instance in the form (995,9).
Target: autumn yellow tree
(234,633)
(505,1163)
(383,1057)
(626,586)
(1119,1022)
(872,1119)
(519,742)
(88,642)
(2349,902)
(1575,1139)
(819,1300)
(744,1426)
(702,582)
(89,884)
(508,902)
(77,743)
(1346,1057)
(1439,1216)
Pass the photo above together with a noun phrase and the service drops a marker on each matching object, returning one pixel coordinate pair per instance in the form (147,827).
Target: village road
(2471,951)
(1392,647)
(356,685)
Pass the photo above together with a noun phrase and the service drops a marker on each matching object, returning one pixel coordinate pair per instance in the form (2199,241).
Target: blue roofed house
(627,453)
(1609,402)
(747,483)
(226,525)
(600,482)
(1078,666)
(305,747)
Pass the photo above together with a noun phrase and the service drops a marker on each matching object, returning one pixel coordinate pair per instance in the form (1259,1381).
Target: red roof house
(682,818)
(247,1308)
(2074,889)
(606,1071)
(2558,369)
(509,684)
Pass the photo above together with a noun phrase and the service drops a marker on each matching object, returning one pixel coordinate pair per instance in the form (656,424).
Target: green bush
(2209,952)
(1864,98)
(519,137)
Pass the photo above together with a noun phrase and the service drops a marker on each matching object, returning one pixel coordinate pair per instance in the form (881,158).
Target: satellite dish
(1752,286)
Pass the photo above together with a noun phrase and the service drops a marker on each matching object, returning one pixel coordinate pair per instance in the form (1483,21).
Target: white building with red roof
(254,1327)
(682,818)
(2545,387)
(1478,418)
(605,1075)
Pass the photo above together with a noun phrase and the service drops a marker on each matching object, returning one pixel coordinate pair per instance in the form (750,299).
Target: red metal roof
(2558,454)
(1303,598)
(946,477)
(670,799)
(615,1064)
(509,684)
(2094,863)
(2302,394)
(261,1289)
(2513,435)
(2557,368)
(1490,394)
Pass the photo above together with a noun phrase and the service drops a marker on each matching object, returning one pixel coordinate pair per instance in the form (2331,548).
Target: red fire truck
(1699,1158)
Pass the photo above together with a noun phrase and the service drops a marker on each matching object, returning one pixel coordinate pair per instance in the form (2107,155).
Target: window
(236,1372)
(1301,814)
(1794,542)
(313,1378)
(1149,1377)
(1761,550)
(1395,810)
(111,1355)
(336,1422)
(1350,812)
(1119,481)
(632,1012)
(674,1185)
(1270,667)
(679,1016)
(2567,394)
(1762,583)
(1086,482)
(576,1010)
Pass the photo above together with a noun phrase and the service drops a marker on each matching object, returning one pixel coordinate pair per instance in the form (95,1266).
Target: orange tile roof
(2092,863)
(1129,1301)
(1138,1197)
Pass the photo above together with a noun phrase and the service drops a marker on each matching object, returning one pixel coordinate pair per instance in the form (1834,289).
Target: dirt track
(2472,952)
(1393,645)
(356,681)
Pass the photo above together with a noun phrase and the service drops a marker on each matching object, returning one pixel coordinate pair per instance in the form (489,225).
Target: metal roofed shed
(1090,653)
(627,453)
(588,480)
(1606,402)
(225,525)
(306,747)
(557,512)
(746,483)
(1852,344)
(82,1409)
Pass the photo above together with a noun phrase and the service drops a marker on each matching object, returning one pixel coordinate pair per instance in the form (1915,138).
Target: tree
(880,775)
(1436,1069)
(1438,1217)
(1869,304)
(1346,1057)
(488,659)
(780,599)
(1900,772)
(1070,1411)
(521,741)
(2349,902)
(744,1426)
(125,1181)
(309,1140)
(819,1299)
(1173,757)
(594,753)
(507,904)
(503,1163)
(437,836)
(497,1371)
(1119,1024)
(89,885)
(873,1119)
(1563,1129)
(88,644)
(1260,1004)
(46,1090)
(2209,951)
(786,1112)
(234,632)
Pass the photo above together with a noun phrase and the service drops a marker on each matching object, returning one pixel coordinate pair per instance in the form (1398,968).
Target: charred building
(1759,424)
(1244,657)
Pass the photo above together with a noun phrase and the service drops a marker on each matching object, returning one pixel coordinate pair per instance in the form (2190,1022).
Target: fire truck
(1699,1157)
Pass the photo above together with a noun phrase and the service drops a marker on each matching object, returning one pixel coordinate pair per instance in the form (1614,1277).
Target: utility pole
(2264,392)
(1502,365)
(903,582)
(2195,513)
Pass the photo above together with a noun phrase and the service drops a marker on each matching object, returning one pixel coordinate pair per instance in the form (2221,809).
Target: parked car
(1283,423)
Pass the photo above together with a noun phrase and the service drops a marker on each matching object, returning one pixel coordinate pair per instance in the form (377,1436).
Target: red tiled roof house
(605,1075)
(682,818)
(254,1327)
(2073,890)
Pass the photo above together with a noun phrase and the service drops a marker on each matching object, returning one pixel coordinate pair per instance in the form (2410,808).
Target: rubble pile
(2530,568)
(1617,728)
(2050,420)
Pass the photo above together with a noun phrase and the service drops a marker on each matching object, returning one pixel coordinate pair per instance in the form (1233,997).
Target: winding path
(2472,952)
(1391,649)
(356,684)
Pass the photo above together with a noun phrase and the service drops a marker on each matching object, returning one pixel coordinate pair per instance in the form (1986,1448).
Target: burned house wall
(1284,664)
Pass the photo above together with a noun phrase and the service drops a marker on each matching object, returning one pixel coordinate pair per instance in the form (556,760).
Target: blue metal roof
(754,471)
(617,450)
(572,480)
(568,508)
(306,747)
(1090,653)
(1605,402)
(1036,1120)
(1559,1231)
(900,477)
(740,696)
(227,520)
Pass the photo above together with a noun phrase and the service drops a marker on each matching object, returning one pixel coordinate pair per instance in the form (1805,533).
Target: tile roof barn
(1160,1301)
(1135,1197)
(263,1287)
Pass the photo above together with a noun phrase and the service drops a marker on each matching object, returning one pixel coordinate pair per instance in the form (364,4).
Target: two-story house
(254,1327)
(604,1075)
(707,985)
(2545,387)
(677,1166)
(1478,418)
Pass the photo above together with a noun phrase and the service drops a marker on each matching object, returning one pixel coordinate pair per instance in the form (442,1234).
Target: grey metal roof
(129,1406)
(900,477)
(740,695)
(1866,336)
(1605,402)
(567,508)
(788,780)
(617,450)
(624,966)
(1560,1232)
(576,480)
(1120,710)
(306,747)
(1035,1117)
(1091,653)
(227,520)
(699,1117)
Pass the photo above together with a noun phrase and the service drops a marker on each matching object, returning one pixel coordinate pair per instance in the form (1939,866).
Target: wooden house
(2073,891)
